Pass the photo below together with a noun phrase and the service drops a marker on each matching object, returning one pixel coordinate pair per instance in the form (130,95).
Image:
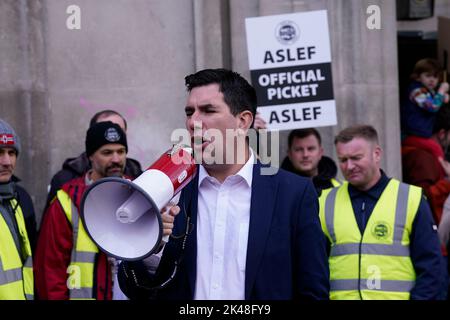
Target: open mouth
(203,142)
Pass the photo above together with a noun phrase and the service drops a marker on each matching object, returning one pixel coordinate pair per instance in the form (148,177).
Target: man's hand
(443,89)
(168,214)
(259,122)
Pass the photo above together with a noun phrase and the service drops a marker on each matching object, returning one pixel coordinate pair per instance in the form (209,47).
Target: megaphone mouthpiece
(132,209)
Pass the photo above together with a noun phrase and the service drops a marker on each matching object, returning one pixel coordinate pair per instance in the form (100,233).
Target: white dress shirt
(223,218)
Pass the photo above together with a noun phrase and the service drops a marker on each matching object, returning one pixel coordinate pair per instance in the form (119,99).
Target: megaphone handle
(173,202)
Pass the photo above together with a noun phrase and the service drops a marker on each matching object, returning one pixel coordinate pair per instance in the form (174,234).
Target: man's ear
(321,151)
(245,119)
(378,152)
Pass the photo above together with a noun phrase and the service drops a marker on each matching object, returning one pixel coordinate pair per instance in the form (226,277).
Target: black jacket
(327,171)
(25,202)
(76,167)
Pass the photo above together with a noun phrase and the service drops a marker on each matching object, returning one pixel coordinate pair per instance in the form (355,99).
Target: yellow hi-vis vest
(16,278)
(335,182)
(377,264)
(81,269)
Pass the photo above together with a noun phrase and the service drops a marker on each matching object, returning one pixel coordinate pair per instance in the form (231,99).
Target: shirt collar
(7,190)
(246,172)
(374,192)
(87,178)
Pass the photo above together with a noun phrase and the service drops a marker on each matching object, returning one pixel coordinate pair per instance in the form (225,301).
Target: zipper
(363,213)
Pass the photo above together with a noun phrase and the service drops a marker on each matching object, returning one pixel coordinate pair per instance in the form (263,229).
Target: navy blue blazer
(286,253)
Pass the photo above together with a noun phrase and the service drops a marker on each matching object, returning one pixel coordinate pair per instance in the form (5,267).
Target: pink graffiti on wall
(129,112)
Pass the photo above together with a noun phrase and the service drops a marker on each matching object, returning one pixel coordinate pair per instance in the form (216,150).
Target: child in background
(423,101)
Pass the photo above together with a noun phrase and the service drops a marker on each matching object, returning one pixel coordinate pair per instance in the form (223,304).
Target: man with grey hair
(17,223)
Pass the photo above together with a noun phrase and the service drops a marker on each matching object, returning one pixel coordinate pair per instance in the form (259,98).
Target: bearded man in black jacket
(75,167)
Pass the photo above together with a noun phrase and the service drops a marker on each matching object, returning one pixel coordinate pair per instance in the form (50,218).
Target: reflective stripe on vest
(16,278)
(81,269)
(376,265)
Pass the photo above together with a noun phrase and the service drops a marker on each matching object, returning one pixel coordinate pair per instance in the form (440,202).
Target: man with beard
(76,167)
(68,264)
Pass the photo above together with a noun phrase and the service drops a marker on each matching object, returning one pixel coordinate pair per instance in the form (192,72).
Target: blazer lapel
(191,201)
(264,191)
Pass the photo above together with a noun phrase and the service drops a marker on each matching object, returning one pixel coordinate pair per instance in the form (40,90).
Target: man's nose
(193,121)
(350,165)
(116,158)
(5,160)
(195,124)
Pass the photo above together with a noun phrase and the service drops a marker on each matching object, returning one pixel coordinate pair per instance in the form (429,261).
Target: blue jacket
(286,255)
(416,120)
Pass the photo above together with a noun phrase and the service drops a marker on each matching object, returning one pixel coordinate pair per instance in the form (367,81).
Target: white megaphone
(123,217)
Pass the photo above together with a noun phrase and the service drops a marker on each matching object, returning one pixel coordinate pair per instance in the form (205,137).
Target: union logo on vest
(381,230)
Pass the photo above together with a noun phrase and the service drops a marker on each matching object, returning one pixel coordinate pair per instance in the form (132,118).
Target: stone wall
(132,56)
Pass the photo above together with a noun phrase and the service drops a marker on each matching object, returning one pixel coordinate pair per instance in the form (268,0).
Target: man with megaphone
(67,263)
(240,234)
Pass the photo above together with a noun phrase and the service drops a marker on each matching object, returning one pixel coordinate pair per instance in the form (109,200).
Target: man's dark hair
(442,119)
(365,132)
(238,94)
(106,113)
(303,133)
